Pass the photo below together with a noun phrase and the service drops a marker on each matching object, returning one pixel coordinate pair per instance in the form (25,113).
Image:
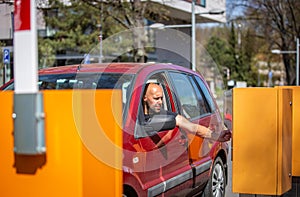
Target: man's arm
(196,129)
(200,130)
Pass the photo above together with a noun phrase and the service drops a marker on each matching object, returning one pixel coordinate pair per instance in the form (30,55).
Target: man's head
(152,98)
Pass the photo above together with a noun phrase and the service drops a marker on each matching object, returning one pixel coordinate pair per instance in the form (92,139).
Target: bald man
(153,105)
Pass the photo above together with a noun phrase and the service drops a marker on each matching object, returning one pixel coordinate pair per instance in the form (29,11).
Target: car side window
(186,95)
(206,93)
(204,107)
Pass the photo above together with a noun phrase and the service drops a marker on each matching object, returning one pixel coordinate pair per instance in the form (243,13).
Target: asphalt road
(228,192)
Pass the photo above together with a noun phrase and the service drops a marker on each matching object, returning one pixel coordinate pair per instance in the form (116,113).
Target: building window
(203,3)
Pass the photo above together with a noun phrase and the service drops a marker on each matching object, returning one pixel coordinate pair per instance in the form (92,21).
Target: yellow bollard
(79,126)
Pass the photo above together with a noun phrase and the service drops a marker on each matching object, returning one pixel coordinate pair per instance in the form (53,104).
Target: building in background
(179,50)
(7,35)
(270,74)
(6,39)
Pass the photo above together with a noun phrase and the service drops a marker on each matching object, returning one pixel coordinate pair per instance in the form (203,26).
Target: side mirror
(160,122)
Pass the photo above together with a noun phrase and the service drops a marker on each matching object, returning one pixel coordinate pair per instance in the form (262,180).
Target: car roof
(129,68)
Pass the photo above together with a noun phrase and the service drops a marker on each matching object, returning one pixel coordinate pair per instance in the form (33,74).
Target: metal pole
(175,26)
(100,39)
(297,62)
(3,74)
(28,115)
(100,36)
(193,40)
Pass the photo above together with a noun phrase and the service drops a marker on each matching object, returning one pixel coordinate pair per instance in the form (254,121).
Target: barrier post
(262,138)
(83,133)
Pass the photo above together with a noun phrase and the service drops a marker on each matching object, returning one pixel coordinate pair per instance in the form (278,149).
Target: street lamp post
(277,51)
(193,40)
(193,29)
(100,42)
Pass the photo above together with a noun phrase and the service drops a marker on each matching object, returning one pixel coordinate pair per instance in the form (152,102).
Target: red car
(170,162)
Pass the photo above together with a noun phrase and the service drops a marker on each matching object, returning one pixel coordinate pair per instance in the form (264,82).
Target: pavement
(228,190)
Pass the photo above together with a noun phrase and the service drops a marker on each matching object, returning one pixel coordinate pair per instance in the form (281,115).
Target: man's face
(153,98)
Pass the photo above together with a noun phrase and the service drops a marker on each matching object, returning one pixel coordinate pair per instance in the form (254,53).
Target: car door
(196,105)
(167,167)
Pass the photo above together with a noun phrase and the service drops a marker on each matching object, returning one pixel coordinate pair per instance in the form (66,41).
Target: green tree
(276,23)
(1,54)
(77,25)
(219,50)
(46,53)
(73,28)
(131,15)
(229,53)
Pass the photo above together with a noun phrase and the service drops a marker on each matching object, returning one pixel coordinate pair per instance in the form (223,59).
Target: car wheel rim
(218,183)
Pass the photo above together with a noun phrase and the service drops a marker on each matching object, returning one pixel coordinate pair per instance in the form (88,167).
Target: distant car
(184,164)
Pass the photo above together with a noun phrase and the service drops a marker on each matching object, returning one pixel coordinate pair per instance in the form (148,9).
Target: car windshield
(85,81)
(82,81)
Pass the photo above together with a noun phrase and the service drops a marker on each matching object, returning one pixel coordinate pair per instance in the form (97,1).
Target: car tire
(129,192)
(216,184)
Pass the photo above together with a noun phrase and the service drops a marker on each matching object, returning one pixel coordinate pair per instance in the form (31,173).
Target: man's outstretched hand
(224,136)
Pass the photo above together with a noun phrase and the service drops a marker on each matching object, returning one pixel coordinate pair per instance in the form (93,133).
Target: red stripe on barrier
(22,15)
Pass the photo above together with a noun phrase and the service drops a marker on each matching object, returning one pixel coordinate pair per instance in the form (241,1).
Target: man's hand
(224,136)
